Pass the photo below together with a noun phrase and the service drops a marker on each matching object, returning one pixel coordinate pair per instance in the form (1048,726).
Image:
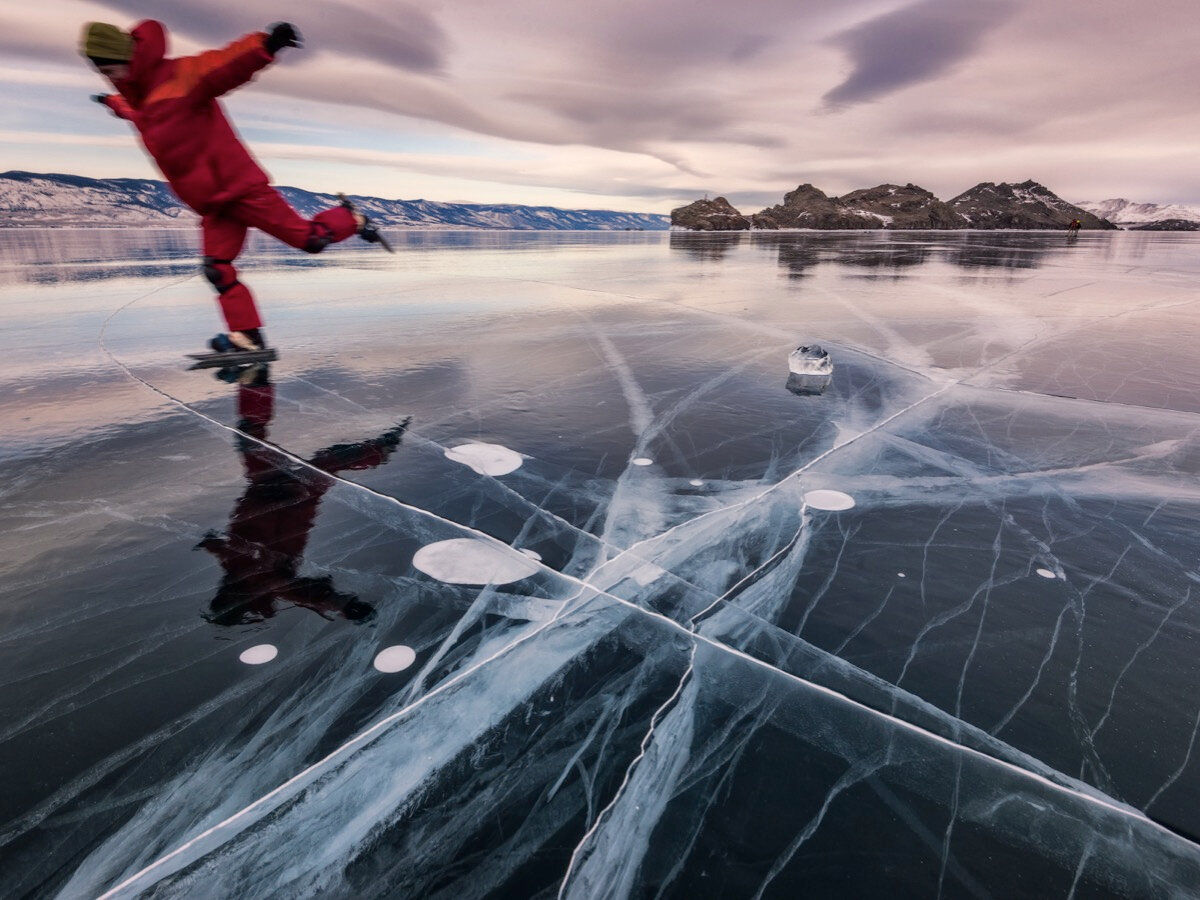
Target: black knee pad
(212,271)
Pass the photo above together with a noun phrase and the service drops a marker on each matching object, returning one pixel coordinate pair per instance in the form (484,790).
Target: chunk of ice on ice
(810,359)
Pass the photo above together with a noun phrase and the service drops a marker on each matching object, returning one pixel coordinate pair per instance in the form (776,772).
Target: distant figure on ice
(173,104)
(1075,225)
(261,551)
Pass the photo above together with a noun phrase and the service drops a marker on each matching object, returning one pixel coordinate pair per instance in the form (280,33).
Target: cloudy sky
(648,104)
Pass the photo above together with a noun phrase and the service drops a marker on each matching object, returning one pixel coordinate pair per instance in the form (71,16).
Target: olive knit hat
(102,43)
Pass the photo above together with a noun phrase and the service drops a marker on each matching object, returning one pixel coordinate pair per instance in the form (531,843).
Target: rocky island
(986,206)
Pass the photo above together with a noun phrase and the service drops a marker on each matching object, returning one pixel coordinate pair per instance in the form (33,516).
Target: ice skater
(173,104)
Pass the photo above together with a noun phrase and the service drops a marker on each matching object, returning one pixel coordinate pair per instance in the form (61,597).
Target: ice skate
(366,230)
(234,350)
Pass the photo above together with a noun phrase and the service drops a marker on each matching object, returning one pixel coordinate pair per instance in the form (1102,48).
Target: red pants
(224,234)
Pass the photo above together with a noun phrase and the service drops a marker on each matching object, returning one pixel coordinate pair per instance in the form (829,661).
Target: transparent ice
(710,675)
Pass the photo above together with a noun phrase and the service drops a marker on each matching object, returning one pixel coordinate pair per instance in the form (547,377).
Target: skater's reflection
(268,530)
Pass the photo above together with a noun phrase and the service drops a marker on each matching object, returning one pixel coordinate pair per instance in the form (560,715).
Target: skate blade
(232,358)
(374,237)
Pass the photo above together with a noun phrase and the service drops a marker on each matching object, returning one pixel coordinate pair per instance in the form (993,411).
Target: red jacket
(173,104)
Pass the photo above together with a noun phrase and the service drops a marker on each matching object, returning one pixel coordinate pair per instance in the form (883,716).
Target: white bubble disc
(643,461)
(486,459)
(395,659)
(1046,573)
(259,654)
(833,501)
(471,561)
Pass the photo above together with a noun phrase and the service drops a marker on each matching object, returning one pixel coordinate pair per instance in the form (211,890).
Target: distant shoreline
(674,231)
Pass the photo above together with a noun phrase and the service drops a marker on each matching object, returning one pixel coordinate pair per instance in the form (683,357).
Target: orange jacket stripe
(196,72)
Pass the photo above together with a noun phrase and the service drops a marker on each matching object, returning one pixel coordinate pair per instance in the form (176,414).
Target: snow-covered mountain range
(1127,214)
(28,199)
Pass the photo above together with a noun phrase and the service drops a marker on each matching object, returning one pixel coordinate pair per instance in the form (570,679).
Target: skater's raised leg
(265,209)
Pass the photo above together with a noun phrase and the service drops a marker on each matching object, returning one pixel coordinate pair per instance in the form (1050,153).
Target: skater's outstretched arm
(116,104)
(216,72)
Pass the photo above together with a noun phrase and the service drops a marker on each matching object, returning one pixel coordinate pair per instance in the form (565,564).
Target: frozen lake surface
(530,571)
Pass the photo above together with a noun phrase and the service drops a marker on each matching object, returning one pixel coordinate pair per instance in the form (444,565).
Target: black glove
(100,98)
(282,34)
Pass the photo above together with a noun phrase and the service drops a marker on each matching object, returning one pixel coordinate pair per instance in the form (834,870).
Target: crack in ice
(642,421)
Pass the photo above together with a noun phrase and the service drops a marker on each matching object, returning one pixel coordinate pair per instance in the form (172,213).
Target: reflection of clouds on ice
(898,348)
(1007,464)
(727,569)
(961,654)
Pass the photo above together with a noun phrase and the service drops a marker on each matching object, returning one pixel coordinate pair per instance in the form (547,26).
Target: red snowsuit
(173,104)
